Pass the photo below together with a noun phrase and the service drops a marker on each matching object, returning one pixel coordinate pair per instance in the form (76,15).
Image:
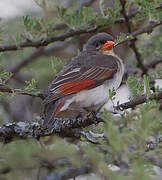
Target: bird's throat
(109,52)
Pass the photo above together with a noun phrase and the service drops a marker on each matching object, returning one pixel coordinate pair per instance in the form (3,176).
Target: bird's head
(102,42)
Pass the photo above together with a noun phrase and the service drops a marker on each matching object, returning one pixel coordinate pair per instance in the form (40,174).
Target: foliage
(131,145)
(136,87)
(4,75)
(148,8)
(30,87)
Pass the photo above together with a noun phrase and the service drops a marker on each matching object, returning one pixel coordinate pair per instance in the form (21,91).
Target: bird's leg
(95,116)
(87,114)
(90,114)
(84,113)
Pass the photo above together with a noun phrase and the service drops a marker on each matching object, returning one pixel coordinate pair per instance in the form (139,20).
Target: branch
(147,29)
(154,63)
(61,37)
(41,51)
(61,127)
(6,89)
(138,57)
(140,100)
(85,3)
(123,11)
(133,71)
(48,40)
(132,42)
(71,172)
(34,55)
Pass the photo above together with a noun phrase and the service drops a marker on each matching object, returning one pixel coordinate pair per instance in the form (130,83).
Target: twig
(33,56)
(5,170)
(71,172)
(130,70)
(132,42)
(138,57)
(62,37)
(154,63)
(140,100)
(147,29)
(123,11)
(42,52)
(6,89)
(48,40)
(85,3)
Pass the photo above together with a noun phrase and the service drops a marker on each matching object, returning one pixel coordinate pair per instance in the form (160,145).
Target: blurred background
(14,8)
(126,155)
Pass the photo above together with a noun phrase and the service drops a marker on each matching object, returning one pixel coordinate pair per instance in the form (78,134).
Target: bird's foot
(92,117)
(96,117)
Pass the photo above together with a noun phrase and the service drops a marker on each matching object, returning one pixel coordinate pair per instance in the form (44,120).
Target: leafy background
(132,149)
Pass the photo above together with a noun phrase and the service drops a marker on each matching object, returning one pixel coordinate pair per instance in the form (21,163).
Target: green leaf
(123,37)
(147,85)
(136,87)
(4,75)
(30,87)
(112,93)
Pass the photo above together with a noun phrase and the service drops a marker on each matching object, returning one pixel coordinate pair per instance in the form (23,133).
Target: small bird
(83,85)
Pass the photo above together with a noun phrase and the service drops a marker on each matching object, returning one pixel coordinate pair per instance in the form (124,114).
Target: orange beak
(108,45)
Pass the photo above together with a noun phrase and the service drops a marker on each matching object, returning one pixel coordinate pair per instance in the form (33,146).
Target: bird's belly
(100,95)
(93,97)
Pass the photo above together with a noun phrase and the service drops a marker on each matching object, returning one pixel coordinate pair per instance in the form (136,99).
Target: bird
(83,85)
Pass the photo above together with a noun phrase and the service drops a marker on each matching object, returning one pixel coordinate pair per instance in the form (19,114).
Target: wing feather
(76,77)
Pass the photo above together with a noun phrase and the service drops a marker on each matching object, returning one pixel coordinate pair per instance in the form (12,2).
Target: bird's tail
(49,114)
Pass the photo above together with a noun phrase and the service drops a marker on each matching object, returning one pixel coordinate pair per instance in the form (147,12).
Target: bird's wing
(78,77)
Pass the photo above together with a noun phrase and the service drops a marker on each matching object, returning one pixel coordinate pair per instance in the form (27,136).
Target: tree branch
(34,55)
(61,37)
(140,100)
(132,42)
(138,57)
(146,29)
(48,40)
(123,11)
(6,89)
(154,63)
(41,51)
(62,127)
(71,172)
